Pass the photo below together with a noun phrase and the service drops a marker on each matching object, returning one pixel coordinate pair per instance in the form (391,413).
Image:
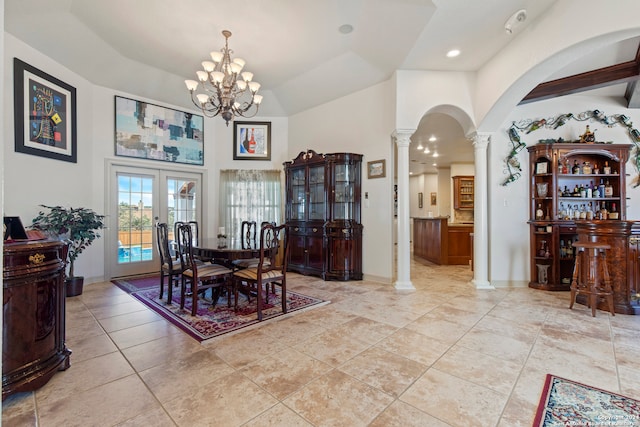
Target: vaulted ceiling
(295,47)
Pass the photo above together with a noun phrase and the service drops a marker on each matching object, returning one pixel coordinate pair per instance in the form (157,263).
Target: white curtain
(249,195)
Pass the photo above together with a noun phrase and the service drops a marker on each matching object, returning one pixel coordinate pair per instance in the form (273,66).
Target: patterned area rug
(568,403)
(210,321)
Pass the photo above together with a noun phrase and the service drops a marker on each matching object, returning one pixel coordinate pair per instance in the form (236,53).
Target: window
(249,195)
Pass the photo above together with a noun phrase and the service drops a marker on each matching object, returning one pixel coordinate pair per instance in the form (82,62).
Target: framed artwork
(376,169)
(45,114)
(148,131)
(541,167)
(420,200)
(434,199)
(251,140)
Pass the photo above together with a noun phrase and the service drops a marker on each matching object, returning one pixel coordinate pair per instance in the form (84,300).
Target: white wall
(32,180)
(509,205)
(359,123)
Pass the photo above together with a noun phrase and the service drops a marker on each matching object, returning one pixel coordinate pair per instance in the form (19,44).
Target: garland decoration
(513,170)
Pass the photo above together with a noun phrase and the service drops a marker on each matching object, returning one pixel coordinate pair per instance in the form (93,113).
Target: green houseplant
(78,226)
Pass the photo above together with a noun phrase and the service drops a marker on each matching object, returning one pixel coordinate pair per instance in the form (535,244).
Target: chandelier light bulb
(191,85)
(225,93)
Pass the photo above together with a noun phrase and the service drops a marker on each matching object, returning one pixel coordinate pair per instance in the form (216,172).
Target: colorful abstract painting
(149,131)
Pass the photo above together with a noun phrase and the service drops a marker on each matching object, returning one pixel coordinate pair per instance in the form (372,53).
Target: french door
(139,198)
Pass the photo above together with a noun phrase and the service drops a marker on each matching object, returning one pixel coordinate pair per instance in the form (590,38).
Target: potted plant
(77,226)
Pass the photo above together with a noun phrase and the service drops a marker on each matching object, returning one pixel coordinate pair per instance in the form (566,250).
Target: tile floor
(444,355)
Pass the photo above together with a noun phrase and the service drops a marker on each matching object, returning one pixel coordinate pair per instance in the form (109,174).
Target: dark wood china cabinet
(323,214)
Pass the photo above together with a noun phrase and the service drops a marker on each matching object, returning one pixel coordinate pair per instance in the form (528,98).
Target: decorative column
(403,282)
(480,214)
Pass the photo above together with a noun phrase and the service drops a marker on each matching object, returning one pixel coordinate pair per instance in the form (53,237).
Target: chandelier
(225,94)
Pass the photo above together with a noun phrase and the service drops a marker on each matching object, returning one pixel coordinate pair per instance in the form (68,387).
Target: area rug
(568,403)
(209,321)
(133,284)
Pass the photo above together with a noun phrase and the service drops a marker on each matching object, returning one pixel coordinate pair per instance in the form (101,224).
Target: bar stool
(591,276)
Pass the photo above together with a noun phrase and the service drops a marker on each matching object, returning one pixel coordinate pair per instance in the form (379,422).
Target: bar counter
(623,259)
(439,241)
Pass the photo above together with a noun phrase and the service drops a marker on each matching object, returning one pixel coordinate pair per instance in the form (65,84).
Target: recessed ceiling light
(453,53)
(433,138)
(410,173)
(435,164)
(345,29)
(426,150)
(435,154)
(420,147)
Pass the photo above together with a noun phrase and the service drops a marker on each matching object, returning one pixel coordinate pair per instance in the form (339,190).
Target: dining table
(208,249)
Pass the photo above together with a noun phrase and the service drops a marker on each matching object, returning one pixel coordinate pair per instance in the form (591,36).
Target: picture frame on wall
(148,131)
(434,199)
(44,114)
(420,200)
(251,140)
(376,169)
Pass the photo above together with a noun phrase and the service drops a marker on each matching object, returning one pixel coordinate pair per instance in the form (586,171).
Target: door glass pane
(181,203)
(135,218)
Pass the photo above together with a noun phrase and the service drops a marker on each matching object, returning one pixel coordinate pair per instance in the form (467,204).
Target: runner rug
(209,321)
(568,403)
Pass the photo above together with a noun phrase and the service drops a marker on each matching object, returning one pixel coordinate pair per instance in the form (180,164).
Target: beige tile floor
(444,355)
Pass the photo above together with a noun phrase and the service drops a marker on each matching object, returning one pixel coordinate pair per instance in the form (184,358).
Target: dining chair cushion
(248,263)
(252,274)
(175,264)
(208,270)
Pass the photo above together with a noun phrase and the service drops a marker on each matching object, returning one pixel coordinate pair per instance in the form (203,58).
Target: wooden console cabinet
(556,210)
(33,330)
(323,215)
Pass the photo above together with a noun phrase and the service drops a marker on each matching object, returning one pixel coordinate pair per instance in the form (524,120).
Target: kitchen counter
(441,242)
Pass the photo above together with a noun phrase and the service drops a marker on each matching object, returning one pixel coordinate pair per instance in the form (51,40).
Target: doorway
(138,199)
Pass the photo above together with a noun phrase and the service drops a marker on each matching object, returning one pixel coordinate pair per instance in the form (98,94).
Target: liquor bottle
(576,168)
(586,168)
(565,168)
(566,192)
(576,191)
(589,189)
(559,166)
(596,214)
(583,191)
(614,212)
(252,144)
(608,190)
(604,213)
(601,187)
(595,170)
(539,212)
(607,169)
(589,212)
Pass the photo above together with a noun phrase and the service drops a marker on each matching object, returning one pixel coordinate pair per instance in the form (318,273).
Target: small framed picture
(251,140)
(376,169)
(434,199)
(420,200)
(542,167)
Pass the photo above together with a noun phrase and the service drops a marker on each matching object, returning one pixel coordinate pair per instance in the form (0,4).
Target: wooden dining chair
(170,266)
(271,268)
(201,277)
(247,241)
